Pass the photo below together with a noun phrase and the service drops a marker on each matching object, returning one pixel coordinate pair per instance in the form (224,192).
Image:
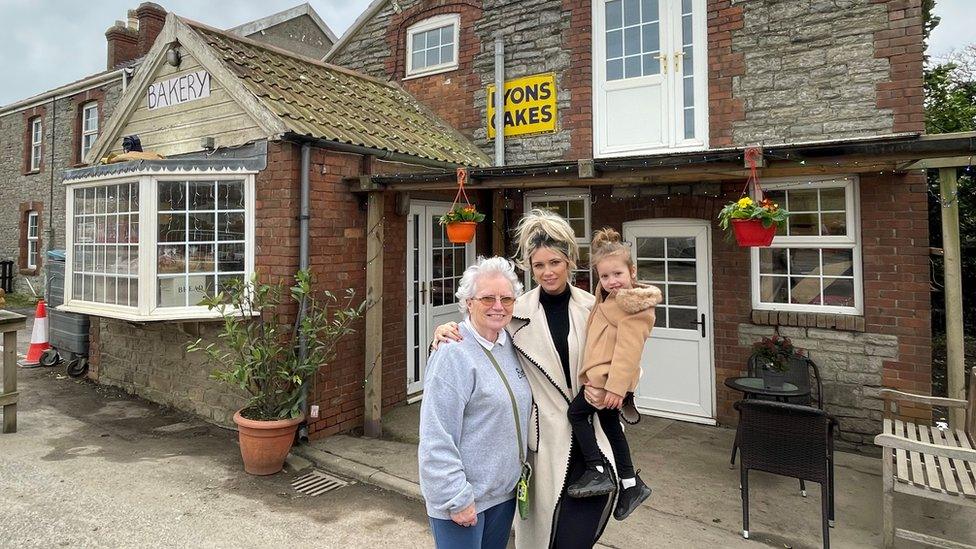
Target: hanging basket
(461,232)
(750,233)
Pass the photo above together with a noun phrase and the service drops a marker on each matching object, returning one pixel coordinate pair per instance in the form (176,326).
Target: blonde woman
(548,332)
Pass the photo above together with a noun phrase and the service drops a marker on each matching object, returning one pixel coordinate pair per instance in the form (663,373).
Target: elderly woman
(549,332)
(474,417)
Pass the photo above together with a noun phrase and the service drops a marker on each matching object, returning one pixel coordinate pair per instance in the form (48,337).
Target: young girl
(619,324)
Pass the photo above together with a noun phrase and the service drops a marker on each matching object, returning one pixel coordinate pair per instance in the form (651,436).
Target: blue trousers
(492,531)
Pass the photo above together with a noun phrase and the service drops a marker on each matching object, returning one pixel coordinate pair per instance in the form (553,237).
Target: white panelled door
(678,376)
(434,269)
(649,85)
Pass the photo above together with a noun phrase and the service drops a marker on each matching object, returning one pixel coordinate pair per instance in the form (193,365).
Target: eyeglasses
(489,300)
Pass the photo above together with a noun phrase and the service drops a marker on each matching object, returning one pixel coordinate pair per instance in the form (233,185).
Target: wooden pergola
(900,153)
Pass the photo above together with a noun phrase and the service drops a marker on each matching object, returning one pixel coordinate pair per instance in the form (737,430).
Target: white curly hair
(485,267)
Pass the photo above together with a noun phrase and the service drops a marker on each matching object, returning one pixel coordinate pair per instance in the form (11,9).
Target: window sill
(32,172)
(829,321)
(33,271)
(440,70)
(126,313)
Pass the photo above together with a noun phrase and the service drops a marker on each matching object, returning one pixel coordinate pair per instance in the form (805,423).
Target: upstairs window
(36,139)
(432,45)
(89,128)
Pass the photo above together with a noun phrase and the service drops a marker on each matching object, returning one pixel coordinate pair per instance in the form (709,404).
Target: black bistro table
(754,386)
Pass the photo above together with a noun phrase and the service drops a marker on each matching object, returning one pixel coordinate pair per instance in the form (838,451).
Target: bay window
(814,263)
(151,247)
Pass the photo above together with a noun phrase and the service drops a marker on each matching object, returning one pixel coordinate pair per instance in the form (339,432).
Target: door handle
(423,292)
(678,58)
(663,58)
(700,324)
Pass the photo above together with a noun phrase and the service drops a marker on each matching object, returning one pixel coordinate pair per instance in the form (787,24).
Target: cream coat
(616,332)
(550,434)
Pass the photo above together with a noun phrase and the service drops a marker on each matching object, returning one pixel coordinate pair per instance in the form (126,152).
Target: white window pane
(631,12)
(615,69)
(686,30)
(632,66)
(201,195)
(803,200)
(804,261)
(833,199)
(680,271)
(773,289)
(201,258)
(447,54)
(650,247)
(833,224)
(433,57)
(171,259)
(686,6)
(688,62)
(615,44)
(230,195)
(652,65)
(838,292)
(418,60)
(632,44)
(689,92)
(649,10)
(419,41)
(172,195)
(447,35)
(838,262)
(171,291)
(803,224)
(805,290)
(689,123)
(230,258)
(614,15)
(433,38)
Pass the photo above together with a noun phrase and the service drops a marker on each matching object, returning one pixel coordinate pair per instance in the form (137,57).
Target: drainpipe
(303,256)
(499,101)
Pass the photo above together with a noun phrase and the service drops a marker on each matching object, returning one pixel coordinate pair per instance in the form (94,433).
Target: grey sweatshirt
(468,451)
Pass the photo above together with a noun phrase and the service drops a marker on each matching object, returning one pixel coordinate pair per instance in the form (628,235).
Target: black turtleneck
(556,307)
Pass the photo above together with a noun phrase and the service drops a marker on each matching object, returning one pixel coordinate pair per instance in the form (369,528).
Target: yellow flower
(744,202)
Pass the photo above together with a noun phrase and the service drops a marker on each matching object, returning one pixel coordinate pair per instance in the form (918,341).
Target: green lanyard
(522,490)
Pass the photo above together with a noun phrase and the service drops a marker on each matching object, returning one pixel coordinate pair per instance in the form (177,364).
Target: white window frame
(432,23)
(146,308)
(33,239)
(555,195)
(37,140)
(850,241)
(88,131)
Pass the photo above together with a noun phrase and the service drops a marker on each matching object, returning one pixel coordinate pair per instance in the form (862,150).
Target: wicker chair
(790,440)
(802,369)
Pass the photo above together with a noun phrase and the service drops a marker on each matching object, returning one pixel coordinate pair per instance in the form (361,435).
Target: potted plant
(461,222)
(261,356)
(753,223)
(773,355)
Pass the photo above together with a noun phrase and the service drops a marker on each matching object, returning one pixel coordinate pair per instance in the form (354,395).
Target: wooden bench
(927,462)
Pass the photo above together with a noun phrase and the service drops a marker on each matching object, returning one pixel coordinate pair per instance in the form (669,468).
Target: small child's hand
(613,401)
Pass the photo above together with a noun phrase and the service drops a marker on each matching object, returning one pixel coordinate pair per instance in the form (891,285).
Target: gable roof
(289,94)
(259,25)
(367,14)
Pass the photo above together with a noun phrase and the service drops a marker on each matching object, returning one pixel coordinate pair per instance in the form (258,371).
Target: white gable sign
(182,89)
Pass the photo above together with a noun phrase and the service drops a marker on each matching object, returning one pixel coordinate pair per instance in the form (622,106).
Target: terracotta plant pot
(265,444)
(751,233)
(461,232)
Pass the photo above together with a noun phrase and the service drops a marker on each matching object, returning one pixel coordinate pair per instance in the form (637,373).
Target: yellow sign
(530,105)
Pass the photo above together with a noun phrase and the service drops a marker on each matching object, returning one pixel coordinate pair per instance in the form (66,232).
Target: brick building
(624,113)
(45,134)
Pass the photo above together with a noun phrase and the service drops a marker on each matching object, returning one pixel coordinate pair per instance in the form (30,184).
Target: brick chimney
(123,44)
(151,18)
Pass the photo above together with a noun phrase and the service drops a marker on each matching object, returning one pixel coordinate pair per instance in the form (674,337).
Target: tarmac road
(87,469)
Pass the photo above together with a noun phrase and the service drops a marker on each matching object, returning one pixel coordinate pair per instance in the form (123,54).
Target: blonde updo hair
(606,244)
(544,229)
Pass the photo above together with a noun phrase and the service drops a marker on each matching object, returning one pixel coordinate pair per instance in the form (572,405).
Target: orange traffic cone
(38,343)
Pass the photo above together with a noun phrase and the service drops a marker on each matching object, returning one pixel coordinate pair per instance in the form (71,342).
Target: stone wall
(17,186)
(150,360)
(299,35)
(851,368)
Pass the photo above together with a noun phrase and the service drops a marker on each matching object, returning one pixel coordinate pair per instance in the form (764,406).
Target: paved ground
(87,469)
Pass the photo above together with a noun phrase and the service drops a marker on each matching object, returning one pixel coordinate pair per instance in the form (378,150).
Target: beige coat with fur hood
(617,328)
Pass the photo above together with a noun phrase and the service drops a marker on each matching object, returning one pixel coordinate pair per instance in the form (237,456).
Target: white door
(648,76)
(678,378)
(434,269)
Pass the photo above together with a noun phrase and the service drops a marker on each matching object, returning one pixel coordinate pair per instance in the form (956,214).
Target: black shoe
(591,483)
(631,498)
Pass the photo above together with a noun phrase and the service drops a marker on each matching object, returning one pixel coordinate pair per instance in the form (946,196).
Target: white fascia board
(62,92)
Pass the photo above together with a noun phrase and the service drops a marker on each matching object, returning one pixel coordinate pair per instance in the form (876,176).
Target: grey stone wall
(534,44)
(300,35)
(150,360)
(16,187)
(810,71)
(851,366)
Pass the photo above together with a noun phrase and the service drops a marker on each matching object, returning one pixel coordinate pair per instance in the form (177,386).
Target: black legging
(579,519)
(580,412)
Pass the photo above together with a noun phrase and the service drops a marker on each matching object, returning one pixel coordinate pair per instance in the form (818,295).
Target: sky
(65,41)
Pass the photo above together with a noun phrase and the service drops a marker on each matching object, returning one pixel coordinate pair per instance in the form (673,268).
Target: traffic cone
(39,342)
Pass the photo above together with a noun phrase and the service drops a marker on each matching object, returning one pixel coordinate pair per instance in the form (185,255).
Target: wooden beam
(373,385)
(944,162)
(498,223)
(952,269)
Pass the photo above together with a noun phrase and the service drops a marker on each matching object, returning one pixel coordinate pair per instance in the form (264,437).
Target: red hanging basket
(751,233)
(461,232)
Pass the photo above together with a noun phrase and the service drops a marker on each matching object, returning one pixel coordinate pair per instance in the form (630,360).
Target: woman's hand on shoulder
(446,332)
